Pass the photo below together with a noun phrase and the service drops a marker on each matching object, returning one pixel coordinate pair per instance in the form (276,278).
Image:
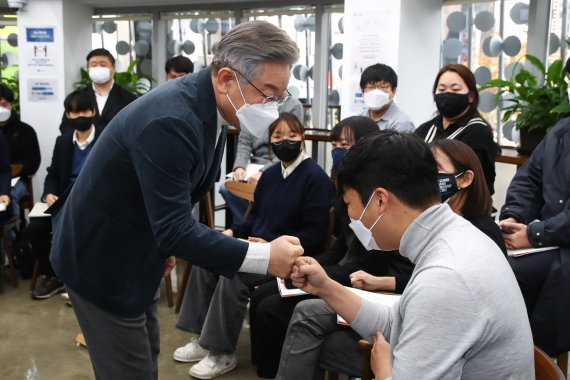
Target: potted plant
(537,99)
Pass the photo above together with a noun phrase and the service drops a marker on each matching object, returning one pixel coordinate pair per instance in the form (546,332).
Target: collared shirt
(394,118)
(287,171)
(83,145)
(102,98)
(258,254)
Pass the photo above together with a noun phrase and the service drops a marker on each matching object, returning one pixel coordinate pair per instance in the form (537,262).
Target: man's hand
(365,281)
(239,174)
(381,359)
(50,199)
(309,275)
(283,252)
(517,235)
(228,232)
(254,239)
(5,199)
(169,265)
(254,178)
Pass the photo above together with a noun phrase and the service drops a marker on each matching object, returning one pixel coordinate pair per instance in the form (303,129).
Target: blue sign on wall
(39,34)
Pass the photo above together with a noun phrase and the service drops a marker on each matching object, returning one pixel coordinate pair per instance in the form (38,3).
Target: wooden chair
(208,204)
(243,190)
(544,366)
(7,226)
(562,362)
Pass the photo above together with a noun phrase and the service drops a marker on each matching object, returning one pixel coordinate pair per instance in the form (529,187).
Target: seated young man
(5,177)
(537,214)
(378,84)
(462,314)
(70,152)
(291,198)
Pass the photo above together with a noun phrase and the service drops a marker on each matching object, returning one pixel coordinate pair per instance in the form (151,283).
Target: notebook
(528,251)
(381,298)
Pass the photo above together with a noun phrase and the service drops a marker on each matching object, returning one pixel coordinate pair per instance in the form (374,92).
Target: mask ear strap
(367,204)
(239,88)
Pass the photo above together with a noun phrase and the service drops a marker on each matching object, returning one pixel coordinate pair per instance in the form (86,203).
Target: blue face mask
(337,156)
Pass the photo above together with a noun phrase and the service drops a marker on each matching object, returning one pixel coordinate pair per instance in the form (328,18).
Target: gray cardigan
(462,315)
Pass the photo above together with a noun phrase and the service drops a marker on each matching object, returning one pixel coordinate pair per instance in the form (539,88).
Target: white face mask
(376,99)
(5,114)
(100,75)
(365,234)
(255,118)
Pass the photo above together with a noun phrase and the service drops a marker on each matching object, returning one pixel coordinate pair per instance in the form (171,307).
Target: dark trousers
(38,234)
(124,348)
(269,316)
(531,271)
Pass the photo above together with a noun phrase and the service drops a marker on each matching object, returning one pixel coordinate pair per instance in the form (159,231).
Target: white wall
(419,57)
(72,41)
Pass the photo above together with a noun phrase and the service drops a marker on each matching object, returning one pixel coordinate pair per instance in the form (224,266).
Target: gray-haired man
(130,208)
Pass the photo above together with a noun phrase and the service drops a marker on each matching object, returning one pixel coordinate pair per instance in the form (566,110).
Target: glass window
(489,38)
(129,39)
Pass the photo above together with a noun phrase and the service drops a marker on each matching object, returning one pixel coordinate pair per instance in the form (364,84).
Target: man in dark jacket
(69,154)
(111,98)
(22,142)
(537,214)
(130,207)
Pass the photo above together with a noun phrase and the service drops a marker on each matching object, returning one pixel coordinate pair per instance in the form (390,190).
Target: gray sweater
(462,315)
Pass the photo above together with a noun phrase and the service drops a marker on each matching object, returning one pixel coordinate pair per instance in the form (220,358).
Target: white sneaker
(213,366)
(192,352)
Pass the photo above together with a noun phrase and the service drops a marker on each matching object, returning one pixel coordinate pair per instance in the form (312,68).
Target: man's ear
(224,80)
(466,179)
(381,198)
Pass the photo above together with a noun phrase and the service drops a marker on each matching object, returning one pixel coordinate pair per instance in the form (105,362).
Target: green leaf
(536,62)
(561,108)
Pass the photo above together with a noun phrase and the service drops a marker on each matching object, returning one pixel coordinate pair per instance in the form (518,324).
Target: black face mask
(286,150)
(447,185)
(450,104)
(337,156)
(81,124)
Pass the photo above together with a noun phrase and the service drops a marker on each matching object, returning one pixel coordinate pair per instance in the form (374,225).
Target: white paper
(2,206)
(286,292)
(381,298)
(38,211)
(14,181)
(527,251)
(249,171)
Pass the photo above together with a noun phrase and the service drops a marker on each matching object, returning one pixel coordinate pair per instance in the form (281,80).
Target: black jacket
(23,144)
(118,99)
(541,190)
(5,170)
(59,172)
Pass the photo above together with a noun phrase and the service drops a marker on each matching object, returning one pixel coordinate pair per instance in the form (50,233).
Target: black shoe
(47,287)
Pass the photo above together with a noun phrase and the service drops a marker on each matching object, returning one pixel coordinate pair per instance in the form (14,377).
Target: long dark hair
(294,124)
(470,82)
(475,200)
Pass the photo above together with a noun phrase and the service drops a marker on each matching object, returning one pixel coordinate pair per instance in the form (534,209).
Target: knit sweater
(462,314)
(297,205)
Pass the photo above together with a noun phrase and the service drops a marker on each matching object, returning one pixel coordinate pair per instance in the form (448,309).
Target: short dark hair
(378,72)
(180,64)
(474,201)
(354,127)
(101,52)
(6,93)
(400,163)
(79,100)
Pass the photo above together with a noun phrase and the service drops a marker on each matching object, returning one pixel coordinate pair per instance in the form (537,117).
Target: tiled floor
(37,341)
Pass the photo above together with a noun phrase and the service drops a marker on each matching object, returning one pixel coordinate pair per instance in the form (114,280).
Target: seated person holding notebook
(536,214)
(462,313)
(291,198)
(70,152)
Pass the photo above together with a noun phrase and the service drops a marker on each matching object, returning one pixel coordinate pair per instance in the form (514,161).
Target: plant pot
(530,139)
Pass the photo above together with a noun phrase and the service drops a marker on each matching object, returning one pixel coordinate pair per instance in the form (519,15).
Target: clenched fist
(283,252)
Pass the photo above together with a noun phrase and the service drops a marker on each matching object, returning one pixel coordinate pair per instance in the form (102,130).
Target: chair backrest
(545,368)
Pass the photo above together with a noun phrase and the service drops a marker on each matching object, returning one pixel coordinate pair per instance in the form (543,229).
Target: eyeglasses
(386,87)
(279,100)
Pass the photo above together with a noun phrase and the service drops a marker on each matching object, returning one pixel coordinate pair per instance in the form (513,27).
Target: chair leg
(35,275)
(8,250)
(562,362)
(168,285)
(182,287)
(209,205)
